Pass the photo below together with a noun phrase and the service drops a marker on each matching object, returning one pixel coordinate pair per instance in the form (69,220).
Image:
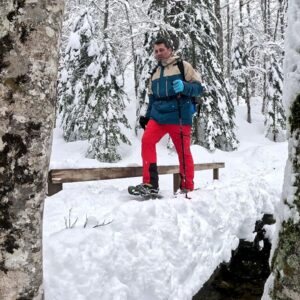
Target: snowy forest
(236,46)
(74,78)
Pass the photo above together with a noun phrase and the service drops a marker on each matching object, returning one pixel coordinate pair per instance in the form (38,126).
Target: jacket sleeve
(192,85)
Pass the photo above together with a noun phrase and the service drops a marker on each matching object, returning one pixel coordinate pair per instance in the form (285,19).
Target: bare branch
(103,224)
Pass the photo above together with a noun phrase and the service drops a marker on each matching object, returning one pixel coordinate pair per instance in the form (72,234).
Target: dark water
(244,277)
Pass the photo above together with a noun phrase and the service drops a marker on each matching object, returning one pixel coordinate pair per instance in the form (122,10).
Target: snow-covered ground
(156,249)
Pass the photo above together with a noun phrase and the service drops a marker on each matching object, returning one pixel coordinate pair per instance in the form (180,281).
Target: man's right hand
(143,121)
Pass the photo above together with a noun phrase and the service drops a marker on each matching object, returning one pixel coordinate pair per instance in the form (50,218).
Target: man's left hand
(178,86)
(143,121)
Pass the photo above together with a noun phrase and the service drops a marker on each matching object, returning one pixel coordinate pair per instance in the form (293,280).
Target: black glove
(143,121)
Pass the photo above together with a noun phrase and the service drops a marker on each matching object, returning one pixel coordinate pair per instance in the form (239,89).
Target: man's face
(161,52)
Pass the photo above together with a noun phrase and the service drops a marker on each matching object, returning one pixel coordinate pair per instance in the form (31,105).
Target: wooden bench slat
(76,175)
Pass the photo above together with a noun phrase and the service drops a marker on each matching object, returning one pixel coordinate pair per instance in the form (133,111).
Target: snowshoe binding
(184,191)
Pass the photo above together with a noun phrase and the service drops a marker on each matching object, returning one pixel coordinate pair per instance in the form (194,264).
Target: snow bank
(158,249)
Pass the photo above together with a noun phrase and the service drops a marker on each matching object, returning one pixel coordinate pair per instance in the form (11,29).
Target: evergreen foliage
(254,30)
(91,96)
(146,63)
(108,110)
(214,126)
(239,70)
(75,83)
(275,115)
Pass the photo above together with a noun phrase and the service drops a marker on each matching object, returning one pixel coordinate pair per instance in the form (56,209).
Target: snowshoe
(146,191)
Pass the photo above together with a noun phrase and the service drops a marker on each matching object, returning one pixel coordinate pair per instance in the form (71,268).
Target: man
(169,111)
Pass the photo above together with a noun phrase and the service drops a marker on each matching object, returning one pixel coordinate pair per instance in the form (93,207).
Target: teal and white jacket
(163,102)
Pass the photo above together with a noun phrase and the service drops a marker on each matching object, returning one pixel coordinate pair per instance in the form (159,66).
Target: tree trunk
(29,34)
(264,102)
(106,15)
(252,83)
(245,58)
(228,40)
(135,75)
(278,18)
(241,20)
(283,5)
(219,28)
(269,31)
(265,6)
(286,259)
(249,119)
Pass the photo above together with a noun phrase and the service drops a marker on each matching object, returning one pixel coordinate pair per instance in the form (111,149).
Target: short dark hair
(165,41)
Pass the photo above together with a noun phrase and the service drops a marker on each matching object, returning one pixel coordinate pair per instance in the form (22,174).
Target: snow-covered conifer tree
(240,63)
(106,104)
(214,125)
(238,71)
(146,63)
(256,31)
(275,122)
(107,108)
(76,82)
(92,98)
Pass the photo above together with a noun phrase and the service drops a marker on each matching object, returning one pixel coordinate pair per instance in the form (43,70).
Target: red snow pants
(152,135)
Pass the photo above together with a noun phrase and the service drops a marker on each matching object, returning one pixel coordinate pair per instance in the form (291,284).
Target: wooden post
(53,188)
(215,173)
(176,182)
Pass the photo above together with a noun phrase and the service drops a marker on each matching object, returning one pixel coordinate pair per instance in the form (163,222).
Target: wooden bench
(57,177)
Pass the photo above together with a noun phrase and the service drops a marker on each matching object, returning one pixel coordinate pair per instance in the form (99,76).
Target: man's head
(162,49)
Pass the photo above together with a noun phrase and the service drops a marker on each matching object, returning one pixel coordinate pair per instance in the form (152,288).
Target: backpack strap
(153,71)
(180,66)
